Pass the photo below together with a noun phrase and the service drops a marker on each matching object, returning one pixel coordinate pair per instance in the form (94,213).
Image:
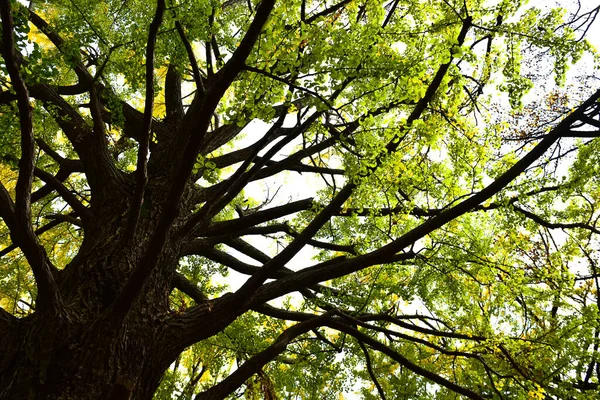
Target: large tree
(297,199)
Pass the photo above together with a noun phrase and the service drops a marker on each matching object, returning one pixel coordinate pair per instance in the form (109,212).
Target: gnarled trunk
(88,353)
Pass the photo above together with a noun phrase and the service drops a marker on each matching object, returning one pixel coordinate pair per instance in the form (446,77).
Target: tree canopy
(298,199)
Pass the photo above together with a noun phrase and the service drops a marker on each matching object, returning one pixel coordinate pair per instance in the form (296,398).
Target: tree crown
(443,241)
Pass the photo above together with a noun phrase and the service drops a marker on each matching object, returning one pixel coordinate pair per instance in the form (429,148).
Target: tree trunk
(88,353)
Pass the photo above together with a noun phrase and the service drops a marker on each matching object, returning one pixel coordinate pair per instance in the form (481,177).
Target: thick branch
(181,283)
(18,216)
(141,173)
(256,363)
(173,103)
(83,212)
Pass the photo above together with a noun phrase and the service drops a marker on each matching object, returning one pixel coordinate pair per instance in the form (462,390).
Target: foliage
(413,225)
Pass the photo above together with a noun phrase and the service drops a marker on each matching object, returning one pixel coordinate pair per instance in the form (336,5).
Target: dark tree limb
(23,236)
(370,369)
(61,175)
(184,285)
(247,249)
(230,188)
(430,212)
(241,154)
(400,359)
(6,319)
(66,167)
(141,173)
(83,212)
(26,162)
(65,218)
(318,273)
(291,162)
(582,134)
(279,313)
(327,11)
(259,217)
(134,119)
(256,363)
(235,64)
(173,104)
(219,137)
(321,272)
(555,225)
(191,57)
(198,247)
(289,83)
(17,216)
(285,228)
(69,120)
(38,232)
(249,288)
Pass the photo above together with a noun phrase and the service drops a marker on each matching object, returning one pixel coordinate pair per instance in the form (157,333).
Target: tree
(446,244)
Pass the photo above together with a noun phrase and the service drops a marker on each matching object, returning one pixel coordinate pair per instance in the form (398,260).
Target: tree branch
(18,216)
(256,363)
(82,73)
(197,247)
(69,120)
(376,345)
(370,369)
(552,225)
(173,102)
(235,64)
(38,232)
(84,213)
(319,273)
(141,173)
(259,217)
(181,283)
(327,11)
(191,57)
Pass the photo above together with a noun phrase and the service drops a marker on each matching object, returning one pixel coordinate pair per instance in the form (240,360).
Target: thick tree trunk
(48,367)
(45,358)
(89,354)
